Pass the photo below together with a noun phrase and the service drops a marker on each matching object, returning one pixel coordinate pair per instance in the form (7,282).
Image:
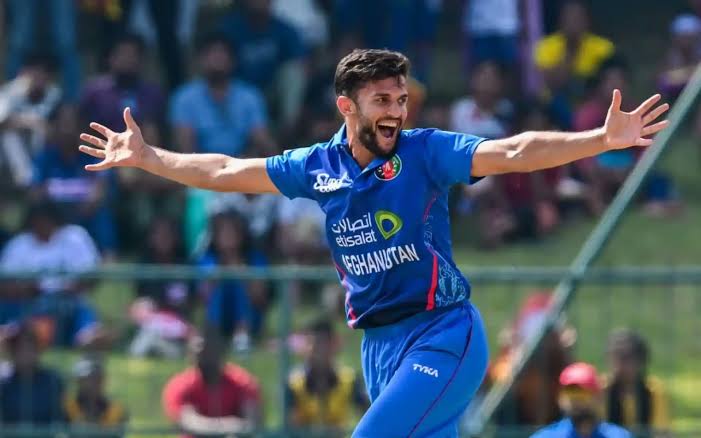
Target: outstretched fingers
(616,100)
(648,104)
(95,141)
(107,132)
(655,128)
(97,153)
(654,114)
(129,120)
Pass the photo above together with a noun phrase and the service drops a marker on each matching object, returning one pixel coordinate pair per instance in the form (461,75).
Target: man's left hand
(623,130)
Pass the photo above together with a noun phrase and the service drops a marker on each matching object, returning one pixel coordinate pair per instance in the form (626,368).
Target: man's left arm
(531,151)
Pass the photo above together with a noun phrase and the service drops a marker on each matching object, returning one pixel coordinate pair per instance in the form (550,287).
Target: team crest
(390,170)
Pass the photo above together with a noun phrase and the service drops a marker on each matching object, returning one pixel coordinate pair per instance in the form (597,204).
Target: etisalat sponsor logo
(359,232)
(352,233)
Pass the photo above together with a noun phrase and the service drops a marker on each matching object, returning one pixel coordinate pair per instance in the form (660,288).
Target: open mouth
(388,128)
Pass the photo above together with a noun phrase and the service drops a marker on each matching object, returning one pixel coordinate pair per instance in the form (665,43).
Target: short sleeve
(449,157)
(287,171)
(174,397)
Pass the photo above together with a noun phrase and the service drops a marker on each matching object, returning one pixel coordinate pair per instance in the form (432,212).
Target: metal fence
(661,303)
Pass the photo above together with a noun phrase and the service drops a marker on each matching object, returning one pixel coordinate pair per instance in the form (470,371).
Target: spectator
(89,406)
(569,57)
(212,397)
(25,105)
(486,113)
(683,55)
(24,19)
(323,393)
(233,306)
(103,100)
(60,177)
(534,399)
(533,197)
(217,114)
(605,173)
(123,85)
(47,244)
(492,29)
(580,400)
(271,55)
(301,232)
(163,308)
(30,394)
(408,27)
(634,399)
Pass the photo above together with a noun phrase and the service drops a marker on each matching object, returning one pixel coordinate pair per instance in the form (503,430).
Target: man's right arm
(209,171)
(206,171)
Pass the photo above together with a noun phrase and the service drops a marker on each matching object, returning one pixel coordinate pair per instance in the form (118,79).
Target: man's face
(381,110)
(574,20)
(91,385)
(486,82)
(125,59)
(39,79)
(580,404)
(217,63)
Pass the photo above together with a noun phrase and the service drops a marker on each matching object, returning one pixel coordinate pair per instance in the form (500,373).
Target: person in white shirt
(49,245)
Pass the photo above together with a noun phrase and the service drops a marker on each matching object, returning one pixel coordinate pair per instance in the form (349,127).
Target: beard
(584,416)
(217,78)
(367,134)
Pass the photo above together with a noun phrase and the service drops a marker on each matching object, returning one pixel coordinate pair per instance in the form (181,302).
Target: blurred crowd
(251,78)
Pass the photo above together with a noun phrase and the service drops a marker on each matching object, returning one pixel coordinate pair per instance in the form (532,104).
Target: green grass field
(665,314)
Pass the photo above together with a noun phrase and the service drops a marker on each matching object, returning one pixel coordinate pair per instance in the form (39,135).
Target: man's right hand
(120,149)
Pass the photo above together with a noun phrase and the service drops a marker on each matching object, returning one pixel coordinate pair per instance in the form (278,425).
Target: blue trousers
(422,372)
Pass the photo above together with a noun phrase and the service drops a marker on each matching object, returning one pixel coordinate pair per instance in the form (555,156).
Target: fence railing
(660,302)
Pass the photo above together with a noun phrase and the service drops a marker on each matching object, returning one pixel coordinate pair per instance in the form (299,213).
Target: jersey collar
(341,139)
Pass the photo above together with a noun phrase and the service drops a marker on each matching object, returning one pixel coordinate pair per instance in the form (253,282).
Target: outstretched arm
(531,151)
(206,171)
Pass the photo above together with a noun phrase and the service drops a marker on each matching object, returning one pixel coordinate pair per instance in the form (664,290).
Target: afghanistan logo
(390,169)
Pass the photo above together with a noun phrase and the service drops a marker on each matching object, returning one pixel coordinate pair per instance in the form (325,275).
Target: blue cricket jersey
(387,225)
(565,429)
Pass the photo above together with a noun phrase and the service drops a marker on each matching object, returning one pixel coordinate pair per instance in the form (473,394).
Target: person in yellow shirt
(573,54)
(323,394)
(634,398)
(89,406)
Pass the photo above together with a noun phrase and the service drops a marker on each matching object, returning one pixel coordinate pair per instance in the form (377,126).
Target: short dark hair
(209,40)
(626,339)
(365,65)
(132,39)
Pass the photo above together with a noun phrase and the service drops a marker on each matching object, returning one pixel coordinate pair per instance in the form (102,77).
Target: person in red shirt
(212,397)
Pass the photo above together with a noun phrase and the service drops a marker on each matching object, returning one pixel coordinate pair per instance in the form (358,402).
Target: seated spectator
(569,57)
(217,114)
(532,197)
(485,113)
(301,232)
(234,307)
(24,19)
(533,400)
(580,400)
(491,29)
(271,55)
(323,393)
(89,407)
(163,308)
(634,399)
(212,397)
(60,177)
(25,105)
(683,55)
(30,394)
(57,302)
